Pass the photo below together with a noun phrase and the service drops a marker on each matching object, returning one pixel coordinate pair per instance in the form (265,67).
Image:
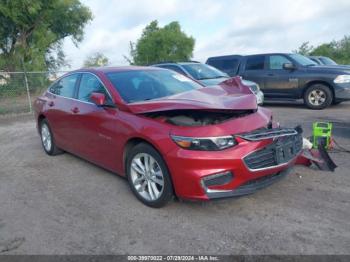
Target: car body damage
(229,95)
(204,142)
(197,117)
(317,156)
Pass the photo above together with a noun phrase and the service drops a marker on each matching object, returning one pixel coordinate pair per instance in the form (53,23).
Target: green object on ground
(322,131)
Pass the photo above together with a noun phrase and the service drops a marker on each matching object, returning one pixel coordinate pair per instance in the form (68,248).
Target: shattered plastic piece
(319,157)
(304,158)
(327,163)
(306,143)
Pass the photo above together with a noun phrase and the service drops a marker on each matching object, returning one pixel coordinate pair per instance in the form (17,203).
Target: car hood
(330,69)
(228,95)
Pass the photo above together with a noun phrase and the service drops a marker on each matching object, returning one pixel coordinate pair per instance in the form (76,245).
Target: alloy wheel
(147,176)
(317,97)
(46,137)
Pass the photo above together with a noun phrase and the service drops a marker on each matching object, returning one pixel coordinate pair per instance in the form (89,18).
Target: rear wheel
(148,176)
(318,96)
(48,140)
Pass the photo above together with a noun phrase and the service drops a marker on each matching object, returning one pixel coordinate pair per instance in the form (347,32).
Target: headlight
(256,88)
(341,79)
(205,143)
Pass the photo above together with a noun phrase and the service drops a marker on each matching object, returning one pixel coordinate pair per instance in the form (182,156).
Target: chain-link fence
(18,90)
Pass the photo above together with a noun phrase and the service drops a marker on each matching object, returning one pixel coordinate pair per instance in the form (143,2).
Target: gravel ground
(65,205)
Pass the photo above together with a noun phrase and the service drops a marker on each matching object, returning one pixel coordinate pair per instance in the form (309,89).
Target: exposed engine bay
(198,117)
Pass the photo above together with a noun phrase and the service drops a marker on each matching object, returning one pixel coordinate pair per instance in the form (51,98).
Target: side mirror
(288,66)
(98,99)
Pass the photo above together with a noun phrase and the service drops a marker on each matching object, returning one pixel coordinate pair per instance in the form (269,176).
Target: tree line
(339,50)
(32,34)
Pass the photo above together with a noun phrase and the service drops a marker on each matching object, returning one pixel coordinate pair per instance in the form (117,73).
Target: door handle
(51,103)
(270,74)
(75,110)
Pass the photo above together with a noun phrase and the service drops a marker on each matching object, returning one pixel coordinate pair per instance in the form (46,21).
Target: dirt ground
(65,205)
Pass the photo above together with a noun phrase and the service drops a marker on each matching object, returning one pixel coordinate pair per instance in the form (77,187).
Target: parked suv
(290,76)
(208,75)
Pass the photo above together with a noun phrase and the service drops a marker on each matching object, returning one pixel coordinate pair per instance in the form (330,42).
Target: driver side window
(90,84)
(277,61)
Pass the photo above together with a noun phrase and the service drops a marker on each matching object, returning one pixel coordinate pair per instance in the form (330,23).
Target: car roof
(224,57)
(114,69)
(188,63)
(177,63)
(239,56)
(271,54)
(316,56)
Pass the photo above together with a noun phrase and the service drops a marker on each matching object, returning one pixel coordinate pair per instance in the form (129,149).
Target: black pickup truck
(284,76)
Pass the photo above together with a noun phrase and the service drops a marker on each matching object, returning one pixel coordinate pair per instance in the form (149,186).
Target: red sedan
(166,133)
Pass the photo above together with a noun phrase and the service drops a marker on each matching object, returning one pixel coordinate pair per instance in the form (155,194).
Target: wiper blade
(204,78)
(221,77)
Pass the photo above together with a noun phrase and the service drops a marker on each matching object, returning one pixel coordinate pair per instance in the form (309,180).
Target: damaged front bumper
(259,159)
(249,187)
(287,143)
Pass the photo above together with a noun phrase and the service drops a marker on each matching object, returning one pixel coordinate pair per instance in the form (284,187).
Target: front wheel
(148,176)
(318,96)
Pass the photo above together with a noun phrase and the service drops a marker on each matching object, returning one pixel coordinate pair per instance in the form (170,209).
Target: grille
(268,133)
(282,150)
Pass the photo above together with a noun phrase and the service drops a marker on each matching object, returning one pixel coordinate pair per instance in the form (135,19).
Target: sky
(220,27)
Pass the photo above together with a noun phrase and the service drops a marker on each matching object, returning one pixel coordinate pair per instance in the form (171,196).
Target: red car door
(60,105)
(93,127)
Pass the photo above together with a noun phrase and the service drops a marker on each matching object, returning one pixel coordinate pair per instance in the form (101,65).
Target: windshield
(201,71)
(303,60)
(327,61)
(141,85)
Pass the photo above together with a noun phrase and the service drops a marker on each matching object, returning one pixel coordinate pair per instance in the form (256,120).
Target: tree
(32,32)
(327,49)
(304,49)
(96,59)
(339,50)
(158,44)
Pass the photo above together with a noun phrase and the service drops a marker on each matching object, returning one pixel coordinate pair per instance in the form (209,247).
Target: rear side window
(216,63)
(90,84)
(224,64)
(66,86)
(277,61)
(255,63)
(229,66)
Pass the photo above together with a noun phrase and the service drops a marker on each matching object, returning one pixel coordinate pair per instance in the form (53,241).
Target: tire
(47,139)
(318,96)
(153,187)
